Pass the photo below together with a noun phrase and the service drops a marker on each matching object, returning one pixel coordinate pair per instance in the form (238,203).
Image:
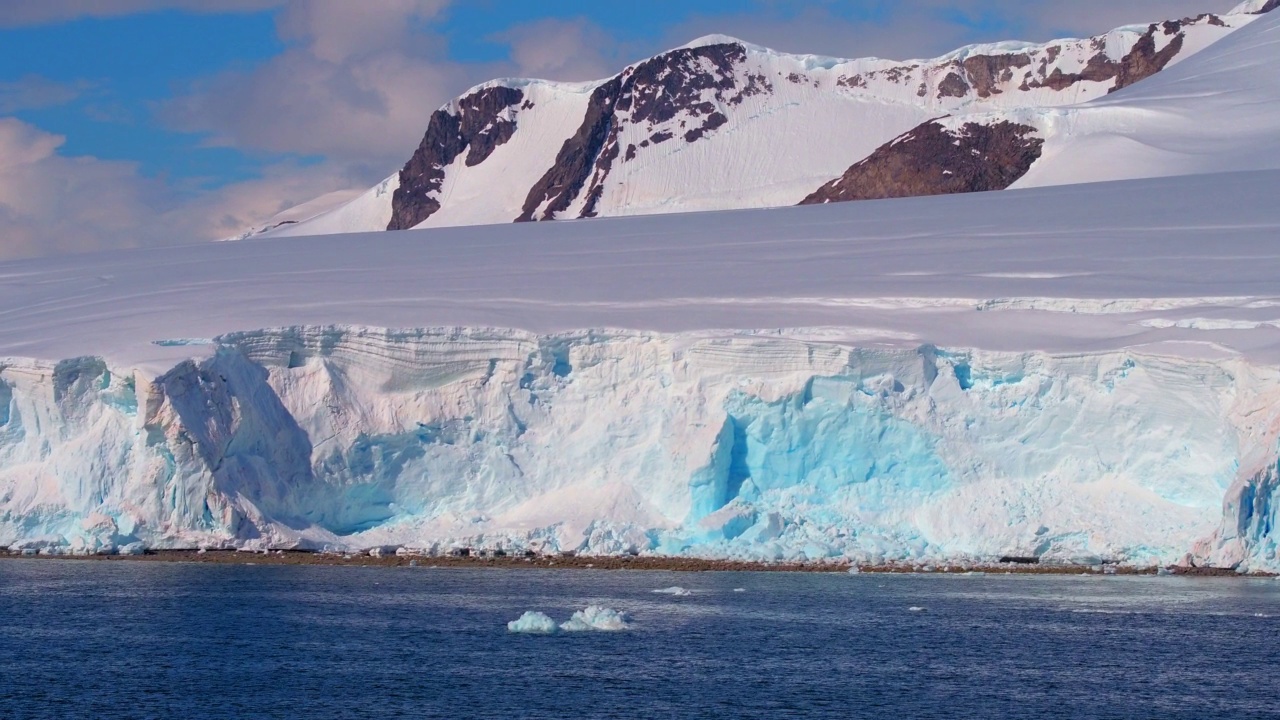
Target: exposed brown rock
(713,121)
(935,160)
(572,168)
(986,71)
(477,129)
(953,86)
(650,94)
(1142,62)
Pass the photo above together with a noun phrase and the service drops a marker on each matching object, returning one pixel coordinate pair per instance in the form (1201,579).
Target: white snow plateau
(1081,373)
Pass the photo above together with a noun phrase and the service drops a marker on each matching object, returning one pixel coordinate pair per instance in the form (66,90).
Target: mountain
(1214,114)
(721,124)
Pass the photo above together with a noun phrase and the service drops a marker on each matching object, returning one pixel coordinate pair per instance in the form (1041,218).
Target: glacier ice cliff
(734,445)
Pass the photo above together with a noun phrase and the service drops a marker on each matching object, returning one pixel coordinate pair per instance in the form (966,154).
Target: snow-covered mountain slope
(1216,112)
(723,124)
(323,205)
(1064,372)
(371,208)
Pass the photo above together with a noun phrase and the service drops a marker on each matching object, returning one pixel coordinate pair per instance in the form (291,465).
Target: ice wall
(758,446)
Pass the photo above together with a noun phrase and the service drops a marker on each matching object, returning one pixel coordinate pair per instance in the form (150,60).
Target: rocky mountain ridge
(722,124)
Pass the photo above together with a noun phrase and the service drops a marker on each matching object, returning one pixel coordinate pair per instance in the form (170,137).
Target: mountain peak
(1255,7)
(718,39)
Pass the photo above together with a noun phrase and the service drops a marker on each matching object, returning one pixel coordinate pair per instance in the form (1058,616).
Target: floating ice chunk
(674,590)
(133,548)
(915,608)
(534,623)
(595,617)
(739,589)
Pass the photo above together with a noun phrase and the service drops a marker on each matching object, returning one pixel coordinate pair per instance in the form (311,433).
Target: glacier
(1063,372)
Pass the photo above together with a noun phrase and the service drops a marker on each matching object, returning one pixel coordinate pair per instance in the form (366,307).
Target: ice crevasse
(734,445)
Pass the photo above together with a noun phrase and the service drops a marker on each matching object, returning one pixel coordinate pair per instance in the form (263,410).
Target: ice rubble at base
(592,618)
(736,446)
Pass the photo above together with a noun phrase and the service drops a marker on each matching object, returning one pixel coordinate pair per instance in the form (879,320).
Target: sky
(140,123)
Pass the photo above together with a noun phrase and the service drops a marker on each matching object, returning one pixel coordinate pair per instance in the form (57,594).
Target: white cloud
(358,86)
(33,92)
(568,50)
(54,204)
(336,30)
(19,13)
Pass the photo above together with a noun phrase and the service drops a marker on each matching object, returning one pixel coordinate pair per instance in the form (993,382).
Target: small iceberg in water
(915,608)
(596,617)
(675,590)
(534,623)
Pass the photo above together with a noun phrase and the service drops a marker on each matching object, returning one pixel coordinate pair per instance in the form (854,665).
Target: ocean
(93,639)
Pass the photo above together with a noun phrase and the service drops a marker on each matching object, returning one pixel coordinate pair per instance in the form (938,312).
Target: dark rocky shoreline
(624,562)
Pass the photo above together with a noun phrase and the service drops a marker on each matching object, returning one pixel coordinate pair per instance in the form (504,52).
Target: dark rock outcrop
(983,75)
(935,160)
(985,72)
(953,86)
(1140,63)
(654,94)
(579,154)
(1271,5)
(478,128)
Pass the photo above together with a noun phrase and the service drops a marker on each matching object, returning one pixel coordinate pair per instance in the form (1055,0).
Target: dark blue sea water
(163,640)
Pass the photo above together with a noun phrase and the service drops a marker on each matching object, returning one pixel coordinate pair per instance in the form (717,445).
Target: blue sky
(130,122)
